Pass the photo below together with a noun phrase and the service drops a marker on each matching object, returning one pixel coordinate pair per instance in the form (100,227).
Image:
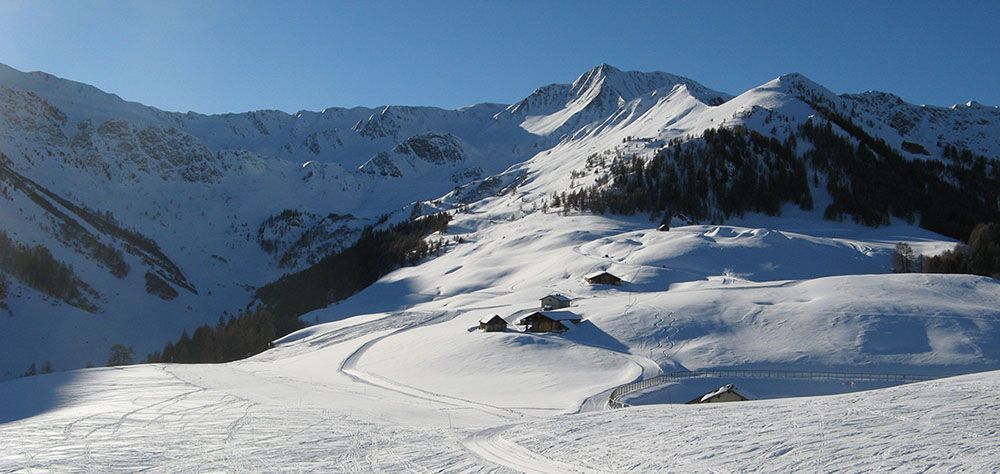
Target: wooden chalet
(602,278)
(725,393)
(555,301)
(548,321)
(494,324)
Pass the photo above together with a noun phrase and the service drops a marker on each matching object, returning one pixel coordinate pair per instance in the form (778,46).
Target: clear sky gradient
(231,56)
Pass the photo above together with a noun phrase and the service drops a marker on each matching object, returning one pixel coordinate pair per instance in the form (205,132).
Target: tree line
(980,256)
(37,268)
(726,172)
(732,171)
(236,338)
(870,183)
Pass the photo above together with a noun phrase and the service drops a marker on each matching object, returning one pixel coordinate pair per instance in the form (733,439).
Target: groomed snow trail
(349,367)
(491,446)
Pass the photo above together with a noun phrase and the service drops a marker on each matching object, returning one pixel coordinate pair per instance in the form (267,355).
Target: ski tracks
(490,445)
(349,367)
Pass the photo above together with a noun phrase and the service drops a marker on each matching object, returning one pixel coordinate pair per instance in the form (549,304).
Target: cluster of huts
(553,318)
(550,319)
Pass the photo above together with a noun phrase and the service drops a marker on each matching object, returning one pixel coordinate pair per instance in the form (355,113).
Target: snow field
(942,425)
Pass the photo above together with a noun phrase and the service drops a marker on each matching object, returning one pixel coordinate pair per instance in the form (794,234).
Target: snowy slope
(284,411)
(695,297)
(932,426)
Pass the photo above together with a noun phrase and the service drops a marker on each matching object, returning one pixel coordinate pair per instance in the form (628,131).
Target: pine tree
(984,250)
(903,258)
(4,286)
(121,355)
(31,370)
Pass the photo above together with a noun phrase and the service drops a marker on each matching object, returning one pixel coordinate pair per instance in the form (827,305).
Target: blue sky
(222,56)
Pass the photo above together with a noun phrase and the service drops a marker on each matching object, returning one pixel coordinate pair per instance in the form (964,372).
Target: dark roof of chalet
(597,274)
(728,388)
(554,315)
(557,296)
(494,319)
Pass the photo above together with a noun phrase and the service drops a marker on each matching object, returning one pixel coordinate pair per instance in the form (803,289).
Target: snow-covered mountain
(597,95)
(126,224)
(172,219)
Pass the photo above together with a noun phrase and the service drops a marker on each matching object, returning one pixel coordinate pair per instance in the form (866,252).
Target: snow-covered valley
(200,211)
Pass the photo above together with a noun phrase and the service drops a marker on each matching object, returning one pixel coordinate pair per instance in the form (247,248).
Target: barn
(725,393)
(602,278)
(494,324)
(555,301)
(548,321)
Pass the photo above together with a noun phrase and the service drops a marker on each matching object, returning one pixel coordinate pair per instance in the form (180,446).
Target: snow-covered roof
(557,315)
(599,273)
(491,318)
(557,296)
(719,391)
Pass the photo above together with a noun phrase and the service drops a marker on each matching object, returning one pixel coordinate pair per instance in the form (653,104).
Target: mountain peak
(599,92)
(614,84)
(602,70)
(797,84)
(797,78)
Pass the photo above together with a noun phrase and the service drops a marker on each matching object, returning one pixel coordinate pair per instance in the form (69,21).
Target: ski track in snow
(491,446)
(349,367)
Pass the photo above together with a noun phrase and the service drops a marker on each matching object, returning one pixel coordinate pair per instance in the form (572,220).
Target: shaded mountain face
(419,152)
(185,214)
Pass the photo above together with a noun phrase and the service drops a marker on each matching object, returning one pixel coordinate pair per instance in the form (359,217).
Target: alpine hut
(602,278)
(548,321)
(494,324)
(555,301)
(725,393)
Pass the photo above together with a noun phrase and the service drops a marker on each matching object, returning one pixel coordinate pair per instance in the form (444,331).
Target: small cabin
(548,321)
(494,324)
(602,278)
(555,301)
(725,393)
